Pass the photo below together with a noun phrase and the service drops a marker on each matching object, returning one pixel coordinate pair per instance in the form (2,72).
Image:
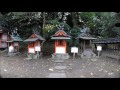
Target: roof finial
(60,27)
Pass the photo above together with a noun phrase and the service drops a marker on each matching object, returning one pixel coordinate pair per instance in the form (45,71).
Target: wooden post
(65,46)
(8,46)
(55,46)
(38,54)
(18,47)
(81,46)
(73,56)
(98,54)
(32,55)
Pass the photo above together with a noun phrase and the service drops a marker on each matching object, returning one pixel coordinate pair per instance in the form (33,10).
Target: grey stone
(57,75)
(28,58)
(60,56)
(59,61)
(34,56)
(60,67)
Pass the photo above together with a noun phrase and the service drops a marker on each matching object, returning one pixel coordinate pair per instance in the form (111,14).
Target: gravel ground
(18,67)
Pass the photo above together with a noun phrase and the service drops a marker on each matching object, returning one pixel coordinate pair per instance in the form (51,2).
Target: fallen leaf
(91,73)
(51,69)
(110,73)
(82,76)
(100,69)
(5,70)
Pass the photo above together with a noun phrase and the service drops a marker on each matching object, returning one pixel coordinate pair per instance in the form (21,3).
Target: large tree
(101,24)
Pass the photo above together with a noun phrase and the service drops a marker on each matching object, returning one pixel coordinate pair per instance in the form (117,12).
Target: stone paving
(18,67)
(58,68)
(57,75)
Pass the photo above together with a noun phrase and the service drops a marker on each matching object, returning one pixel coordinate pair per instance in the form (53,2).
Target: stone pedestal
(13,54)
(34,56)
(92,55)
(60,56)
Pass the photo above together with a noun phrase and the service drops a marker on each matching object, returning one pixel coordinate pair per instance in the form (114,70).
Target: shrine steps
(60,56)
(88,55)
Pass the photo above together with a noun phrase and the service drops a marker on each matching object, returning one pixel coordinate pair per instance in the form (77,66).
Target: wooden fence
(110,47)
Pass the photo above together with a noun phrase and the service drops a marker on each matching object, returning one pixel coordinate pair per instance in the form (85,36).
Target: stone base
(91,56)
(60,56)
(34,56)
(13,54)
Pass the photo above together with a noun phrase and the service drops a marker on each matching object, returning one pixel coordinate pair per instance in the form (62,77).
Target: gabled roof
(61,31)
(31,40)
(86,36)
(38,37)
(15,38)
(60,34)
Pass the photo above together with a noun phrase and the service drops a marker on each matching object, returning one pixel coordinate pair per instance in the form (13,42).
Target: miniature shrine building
(34,43)
(14,41)
(86,48)
(4,37)
(60,44)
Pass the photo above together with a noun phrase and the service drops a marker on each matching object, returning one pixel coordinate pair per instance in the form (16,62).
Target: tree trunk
(44,22)
(73,19)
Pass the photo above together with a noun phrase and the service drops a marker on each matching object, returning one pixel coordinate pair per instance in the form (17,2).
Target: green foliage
(48,48)
(101,24)
(75,32)
(3,22)
(23,47)
(87,17)
(52,27)
(111,33)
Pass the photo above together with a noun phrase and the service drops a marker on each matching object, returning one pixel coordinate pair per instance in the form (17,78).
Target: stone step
(60,67)
(59,61)
(57,75)
(60,56)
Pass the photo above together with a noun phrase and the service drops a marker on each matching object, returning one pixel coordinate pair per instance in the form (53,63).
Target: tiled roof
(109,40)
(31,40)
(40,37)
(15,38)
(65,36)
(86,36)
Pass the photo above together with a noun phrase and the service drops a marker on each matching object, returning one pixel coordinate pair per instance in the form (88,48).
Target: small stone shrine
(85,40)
